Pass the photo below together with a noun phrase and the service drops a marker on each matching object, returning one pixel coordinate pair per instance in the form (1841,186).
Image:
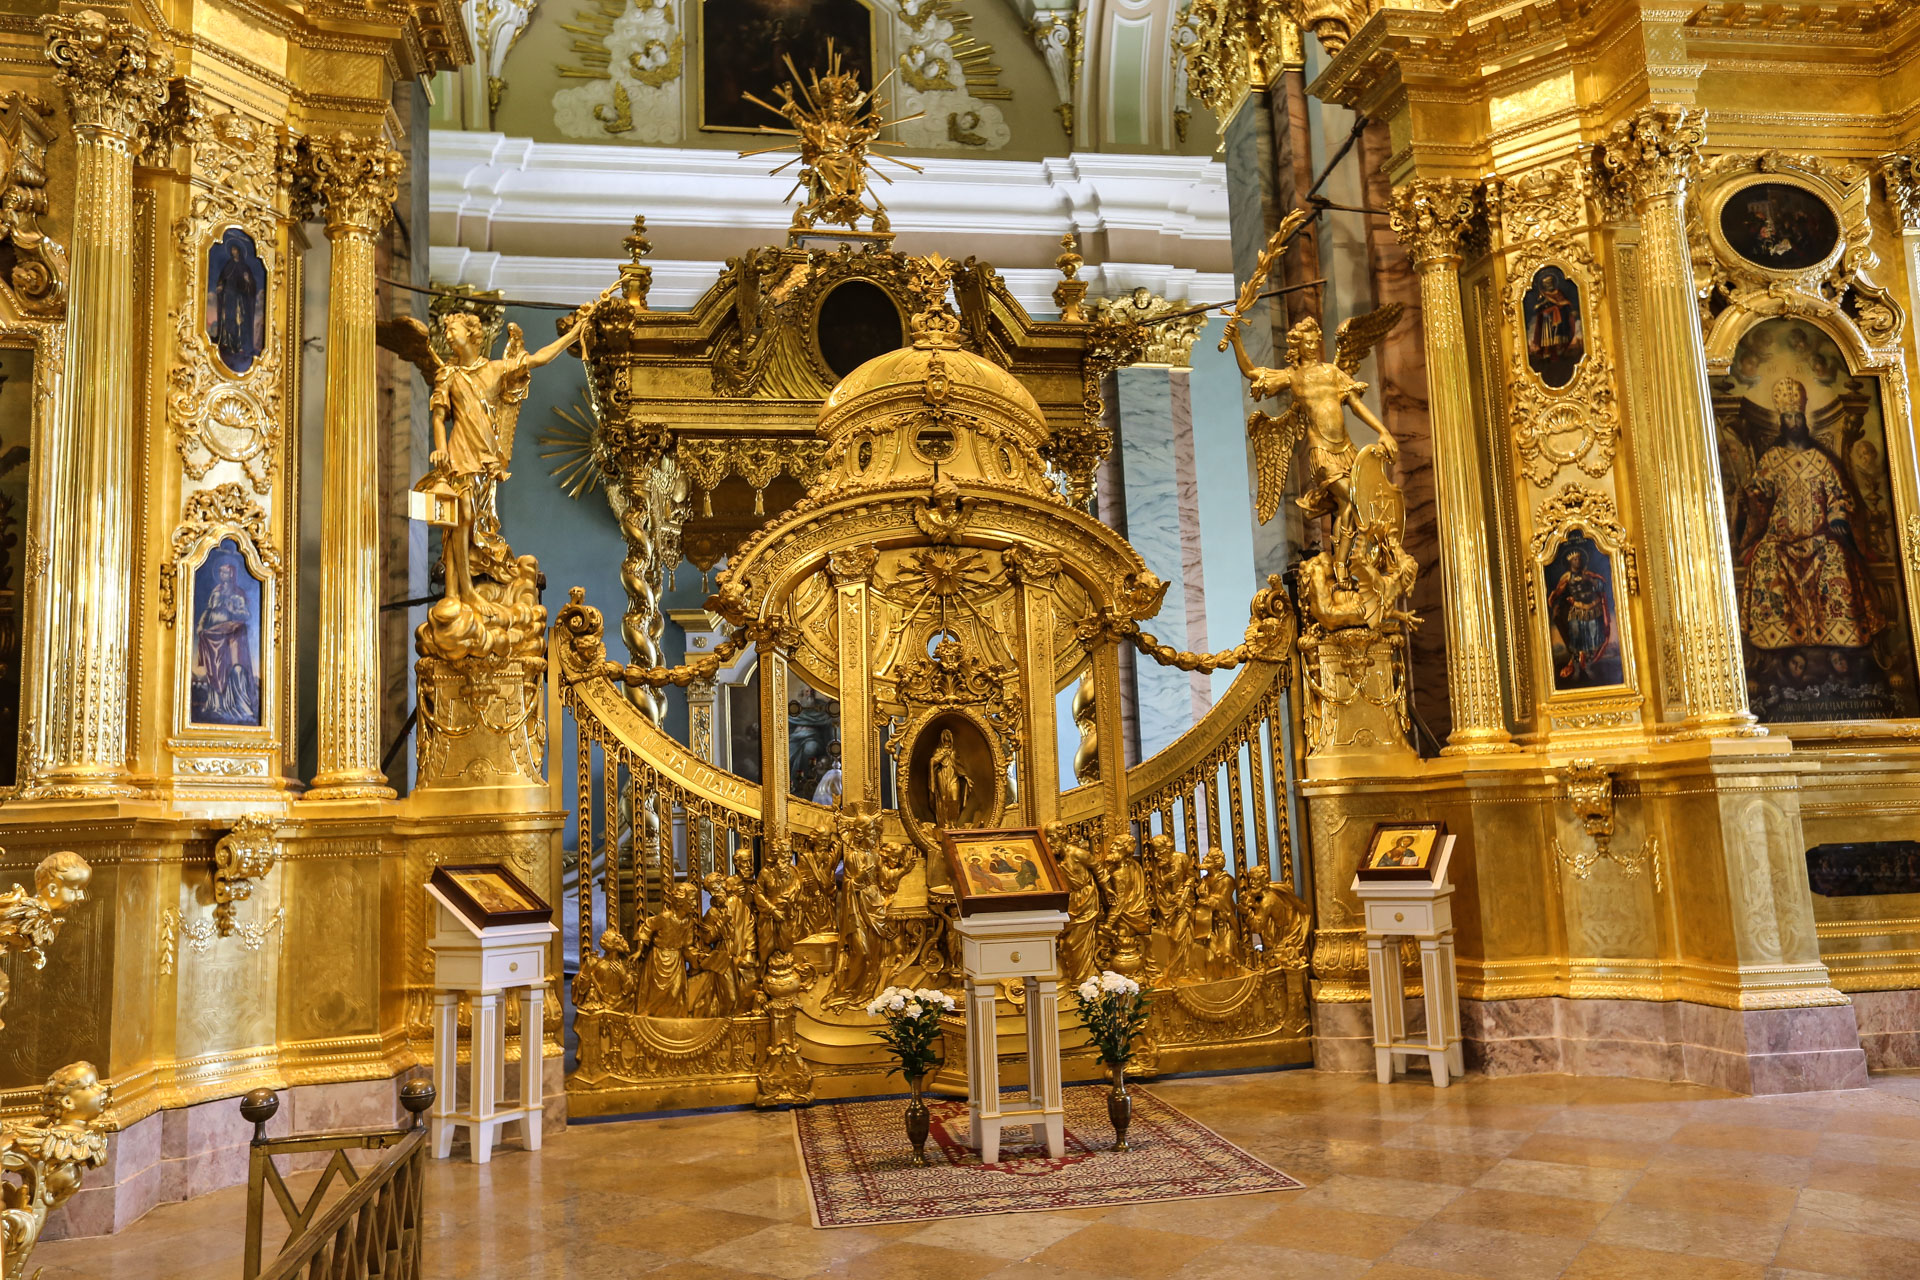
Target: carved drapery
(116,84)
(355,178)
(1648,161)
(1431,217)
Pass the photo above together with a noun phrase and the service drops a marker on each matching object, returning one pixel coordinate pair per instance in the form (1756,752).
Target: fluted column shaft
(116,85)
(355,178)
(1431,217)
(1650,159)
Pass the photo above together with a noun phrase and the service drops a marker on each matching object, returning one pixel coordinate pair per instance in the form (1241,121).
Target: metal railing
(373,1230)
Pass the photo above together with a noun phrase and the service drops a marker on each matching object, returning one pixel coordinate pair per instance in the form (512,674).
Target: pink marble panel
(1808,1072)
(1830,1027)
(1884,1011)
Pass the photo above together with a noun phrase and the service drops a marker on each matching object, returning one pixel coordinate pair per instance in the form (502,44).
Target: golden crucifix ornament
(834,125)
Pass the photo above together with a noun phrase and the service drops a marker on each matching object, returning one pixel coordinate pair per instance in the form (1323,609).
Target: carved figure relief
(1803,459)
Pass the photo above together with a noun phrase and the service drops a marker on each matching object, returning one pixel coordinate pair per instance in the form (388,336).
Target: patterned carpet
(856,1160)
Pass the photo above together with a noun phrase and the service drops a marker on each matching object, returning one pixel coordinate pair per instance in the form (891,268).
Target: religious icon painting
(745,46)
(1583,615)
(1811,517)
(1402,851)
(225,665)
(1009,869)
(488,894)
(813,744)
(236,316)
(1779,226)
(1554,325)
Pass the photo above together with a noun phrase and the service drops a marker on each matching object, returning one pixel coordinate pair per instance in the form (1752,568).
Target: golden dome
(902,414)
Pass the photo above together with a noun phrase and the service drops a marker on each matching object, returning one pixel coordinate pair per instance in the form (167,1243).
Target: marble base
(187,1152)
(1889,1028)
(1750,1051)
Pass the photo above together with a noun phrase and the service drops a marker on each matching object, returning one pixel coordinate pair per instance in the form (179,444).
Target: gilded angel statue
(1366,571)
(474,408)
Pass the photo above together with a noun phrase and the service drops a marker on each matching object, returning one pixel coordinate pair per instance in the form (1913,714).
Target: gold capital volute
(1431,216)
(1902,172)
(115,81)
(1651,156)
(354,177)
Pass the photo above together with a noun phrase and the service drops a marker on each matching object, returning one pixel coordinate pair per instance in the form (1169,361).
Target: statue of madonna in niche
(236,300)
(226,639)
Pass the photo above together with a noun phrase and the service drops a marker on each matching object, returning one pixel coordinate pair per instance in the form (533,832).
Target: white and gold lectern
(1420,909)
(1013,946)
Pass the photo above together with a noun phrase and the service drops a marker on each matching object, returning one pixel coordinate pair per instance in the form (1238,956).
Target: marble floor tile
(1534,1178)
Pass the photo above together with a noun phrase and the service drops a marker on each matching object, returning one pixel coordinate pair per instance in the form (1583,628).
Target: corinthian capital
(354,179)
(115,82)
(1431,217)
(1654,154)
(1902,172)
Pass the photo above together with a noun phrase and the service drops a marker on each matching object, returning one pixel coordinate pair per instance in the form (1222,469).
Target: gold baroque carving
(220,416)
(37,274)
(245,854)
(353,178)
(1901,170)
(225,510)
(115,82)
(1653,155)
(29,922)
(1578,507)
(1431,217)
(199,935)
(1575,425)
(47,1158)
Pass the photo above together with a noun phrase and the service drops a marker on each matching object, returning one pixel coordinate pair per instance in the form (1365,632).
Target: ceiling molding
(548,202)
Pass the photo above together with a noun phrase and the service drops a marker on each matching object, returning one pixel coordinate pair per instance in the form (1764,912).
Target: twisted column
(116,85)
(1649,160)
(1430,217)
(356,178)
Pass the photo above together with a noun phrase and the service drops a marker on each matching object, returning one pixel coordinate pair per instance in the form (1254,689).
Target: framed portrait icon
(1403,851)
(1004,869)
(488,894)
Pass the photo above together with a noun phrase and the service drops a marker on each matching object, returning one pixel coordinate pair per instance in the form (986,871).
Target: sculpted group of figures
(1140,908)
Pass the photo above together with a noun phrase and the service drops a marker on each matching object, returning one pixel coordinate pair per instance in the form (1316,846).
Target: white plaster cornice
(548,217)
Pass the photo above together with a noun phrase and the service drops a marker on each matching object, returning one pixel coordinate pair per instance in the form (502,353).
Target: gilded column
(852,572)
(355,178)
(1650,159)
(116,85)
(1431,216)
(1034,572)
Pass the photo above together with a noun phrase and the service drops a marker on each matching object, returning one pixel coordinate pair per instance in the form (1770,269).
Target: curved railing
(650,811)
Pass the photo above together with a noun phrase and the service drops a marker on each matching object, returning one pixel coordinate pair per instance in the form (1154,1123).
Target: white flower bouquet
(910,1027)
(1114,1011)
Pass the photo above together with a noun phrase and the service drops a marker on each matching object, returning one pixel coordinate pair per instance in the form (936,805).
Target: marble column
(1431,217)
(1155,413)
(1649,161)
(116,85)
(355,178)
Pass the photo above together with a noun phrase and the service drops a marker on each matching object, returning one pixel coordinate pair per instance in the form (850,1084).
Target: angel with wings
(475,407)
(1319,394)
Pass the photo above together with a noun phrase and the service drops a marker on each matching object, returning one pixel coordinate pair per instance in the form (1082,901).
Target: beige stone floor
(1511,1179)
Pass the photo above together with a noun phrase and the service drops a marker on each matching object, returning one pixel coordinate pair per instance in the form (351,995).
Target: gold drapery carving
(1431,217)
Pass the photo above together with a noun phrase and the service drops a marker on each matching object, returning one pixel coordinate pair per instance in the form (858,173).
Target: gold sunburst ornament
(834,124)
(568,444)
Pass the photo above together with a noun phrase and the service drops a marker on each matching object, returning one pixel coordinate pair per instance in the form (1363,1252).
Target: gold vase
(919,1119)
(1119,1105)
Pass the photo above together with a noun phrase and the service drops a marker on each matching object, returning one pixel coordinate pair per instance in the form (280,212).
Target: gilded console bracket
(245,854)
